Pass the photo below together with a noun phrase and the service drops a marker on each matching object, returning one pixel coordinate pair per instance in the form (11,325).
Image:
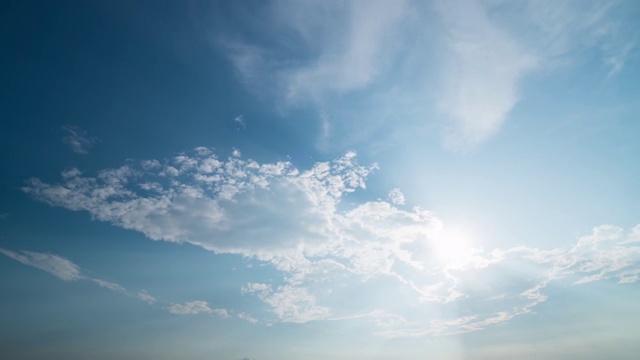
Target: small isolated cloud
(53,264)
(78,140)
(240,121)
(397,197)
(247,317)
(196,307)
(146,297)
(4,216)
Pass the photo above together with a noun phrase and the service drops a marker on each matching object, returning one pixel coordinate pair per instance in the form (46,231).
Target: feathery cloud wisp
(78,140)
(469,82)
(53,264)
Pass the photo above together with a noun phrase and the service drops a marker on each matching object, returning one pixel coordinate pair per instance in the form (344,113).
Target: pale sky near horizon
(283,180)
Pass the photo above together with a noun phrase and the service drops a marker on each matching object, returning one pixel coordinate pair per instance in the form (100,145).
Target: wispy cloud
(342,47)
(78,140)
(69,271)
(469,80)
(196,307)
(325,249)
(482,70)
(489,56)
(397,197)
(347,61)
(240,121)
(53,264)
(146,297)
(347,37)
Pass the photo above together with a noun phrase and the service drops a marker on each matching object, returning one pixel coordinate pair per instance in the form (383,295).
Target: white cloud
(110,285)
(348,39)
(248,318)
(347,61)
(196,307)
(77,139)
(146,297)
(397,197)
(240,121)
(4,216)
(53,264)
(401,62)
(493,46)
(567,28)
(211,209)
(340,48)
(69,271)
(336,261)
(293,304)
(482,72)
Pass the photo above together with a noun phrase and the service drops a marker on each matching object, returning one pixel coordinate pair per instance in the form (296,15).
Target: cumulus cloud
(196,307)
(206,201)
(77,139)
(336,262)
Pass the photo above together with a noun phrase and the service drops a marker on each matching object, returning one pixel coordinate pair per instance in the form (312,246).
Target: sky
(283,180)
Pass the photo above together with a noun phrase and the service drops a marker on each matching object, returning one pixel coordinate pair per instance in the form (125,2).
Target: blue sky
(308,180)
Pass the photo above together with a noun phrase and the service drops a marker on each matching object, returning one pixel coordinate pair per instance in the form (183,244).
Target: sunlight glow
(452,247)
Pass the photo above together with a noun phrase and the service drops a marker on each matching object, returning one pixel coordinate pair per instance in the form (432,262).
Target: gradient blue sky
(280,180)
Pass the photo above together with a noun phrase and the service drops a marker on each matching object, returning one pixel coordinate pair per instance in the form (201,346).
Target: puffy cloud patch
(225,206)
(401,269)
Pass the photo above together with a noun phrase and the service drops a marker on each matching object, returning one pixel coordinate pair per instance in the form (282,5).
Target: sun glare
(452,247)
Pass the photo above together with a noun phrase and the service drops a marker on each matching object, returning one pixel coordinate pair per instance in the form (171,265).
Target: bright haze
(284,180)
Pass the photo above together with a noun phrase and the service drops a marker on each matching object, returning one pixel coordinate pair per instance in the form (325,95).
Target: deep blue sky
(353,180)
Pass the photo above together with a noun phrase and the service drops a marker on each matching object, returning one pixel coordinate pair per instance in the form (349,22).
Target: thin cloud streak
(469,83)
(53,264)
(482,72)
(196,307)
(67,270)
(78,140)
